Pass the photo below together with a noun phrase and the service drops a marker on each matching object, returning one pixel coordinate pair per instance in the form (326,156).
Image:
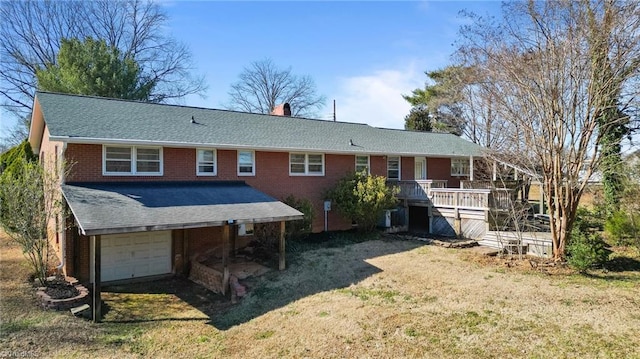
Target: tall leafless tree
(32,29)
(262,86)
(462,105)
(546,75)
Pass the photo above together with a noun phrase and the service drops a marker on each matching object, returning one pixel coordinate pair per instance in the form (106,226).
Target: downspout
(63,234)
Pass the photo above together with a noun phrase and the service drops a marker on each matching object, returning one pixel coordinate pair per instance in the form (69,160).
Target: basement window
(245,229)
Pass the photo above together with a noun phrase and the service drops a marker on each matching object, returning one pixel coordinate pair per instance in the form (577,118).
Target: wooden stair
(507,241)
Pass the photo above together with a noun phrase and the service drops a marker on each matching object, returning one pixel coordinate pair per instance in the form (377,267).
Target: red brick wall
(272,174)
(378,165)
(440,169)
(206,239)
(407,169)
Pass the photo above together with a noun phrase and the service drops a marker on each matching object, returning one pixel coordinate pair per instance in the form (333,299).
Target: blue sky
(365,55)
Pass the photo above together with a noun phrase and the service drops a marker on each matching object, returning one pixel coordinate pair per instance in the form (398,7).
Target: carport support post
(225,258)
(97,295)
(282,264)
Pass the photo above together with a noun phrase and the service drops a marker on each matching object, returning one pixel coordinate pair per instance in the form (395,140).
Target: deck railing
(418,189)
(483,184)
(436,192)
(461,198)
(483,199)
(501,198)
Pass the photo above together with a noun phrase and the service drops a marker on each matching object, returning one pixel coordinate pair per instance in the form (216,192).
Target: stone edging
(66,303)
(453,243)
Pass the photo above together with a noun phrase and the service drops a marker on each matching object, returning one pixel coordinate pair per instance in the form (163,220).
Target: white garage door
(133,255)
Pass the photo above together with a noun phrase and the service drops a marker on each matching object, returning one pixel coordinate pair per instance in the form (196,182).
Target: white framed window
(306,164)
(362,163)
(206,162)
(246,163)
(245,229)
(393,168)
(131,160)
(147,160)
(460,167)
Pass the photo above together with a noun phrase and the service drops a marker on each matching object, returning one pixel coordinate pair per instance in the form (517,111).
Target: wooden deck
(468,212)
(435,194)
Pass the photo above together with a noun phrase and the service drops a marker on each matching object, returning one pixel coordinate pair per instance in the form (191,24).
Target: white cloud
(376,99)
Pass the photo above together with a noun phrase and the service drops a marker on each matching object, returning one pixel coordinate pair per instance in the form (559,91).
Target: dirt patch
(515,263)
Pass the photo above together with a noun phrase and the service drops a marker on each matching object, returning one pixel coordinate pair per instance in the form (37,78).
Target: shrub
(12,161)
(301,228)
(586,250)
(267,235)
(623,228)
(589,220)
(267,239)
(363,197)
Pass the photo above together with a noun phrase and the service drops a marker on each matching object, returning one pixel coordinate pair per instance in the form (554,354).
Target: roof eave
(116,141)
(165,227)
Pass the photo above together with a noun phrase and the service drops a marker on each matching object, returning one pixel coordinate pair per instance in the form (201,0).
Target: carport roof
(122,207)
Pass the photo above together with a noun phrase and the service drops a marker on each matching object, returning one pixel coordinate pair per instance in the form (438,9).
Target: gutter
(227,146)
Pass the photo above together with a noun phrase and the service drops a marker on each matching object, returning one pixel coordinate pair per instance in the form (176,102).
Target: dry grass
(373,299)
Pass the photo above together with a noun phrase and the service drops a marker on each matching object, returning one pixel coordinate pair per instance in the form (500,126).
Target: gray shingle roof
(109,208)
(91,119)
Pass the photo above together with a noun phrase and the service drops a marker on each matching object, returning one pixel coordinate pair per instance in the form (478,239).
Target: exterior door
(420,168)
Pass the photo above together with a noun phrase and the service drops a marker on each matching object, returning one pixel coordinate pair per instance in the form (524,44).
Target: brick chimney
(282,110)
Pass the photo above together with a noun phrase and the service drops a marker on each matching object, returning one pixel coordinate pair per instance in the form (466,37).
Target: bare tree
(263,85)
(31,32)
(30,203)
(462,105)
(552,77)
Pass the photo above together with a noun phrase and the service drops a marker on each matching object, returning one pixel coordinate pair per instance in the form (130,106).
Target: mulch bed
(58,288)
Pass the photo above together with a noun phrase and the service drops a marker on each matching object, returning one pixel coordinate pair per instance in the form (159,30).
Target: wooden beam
(234,238)
(470,168)
(185,250)
(97,291)
(225,258)
(282,264)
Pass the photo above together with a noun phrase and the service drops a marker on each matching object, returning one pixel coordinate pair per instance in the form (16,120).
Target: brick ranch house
(152,185)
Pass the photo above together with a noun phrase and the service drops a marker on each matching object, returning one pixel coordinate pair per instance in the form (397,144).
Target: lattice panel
(473,228)
(443,226)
